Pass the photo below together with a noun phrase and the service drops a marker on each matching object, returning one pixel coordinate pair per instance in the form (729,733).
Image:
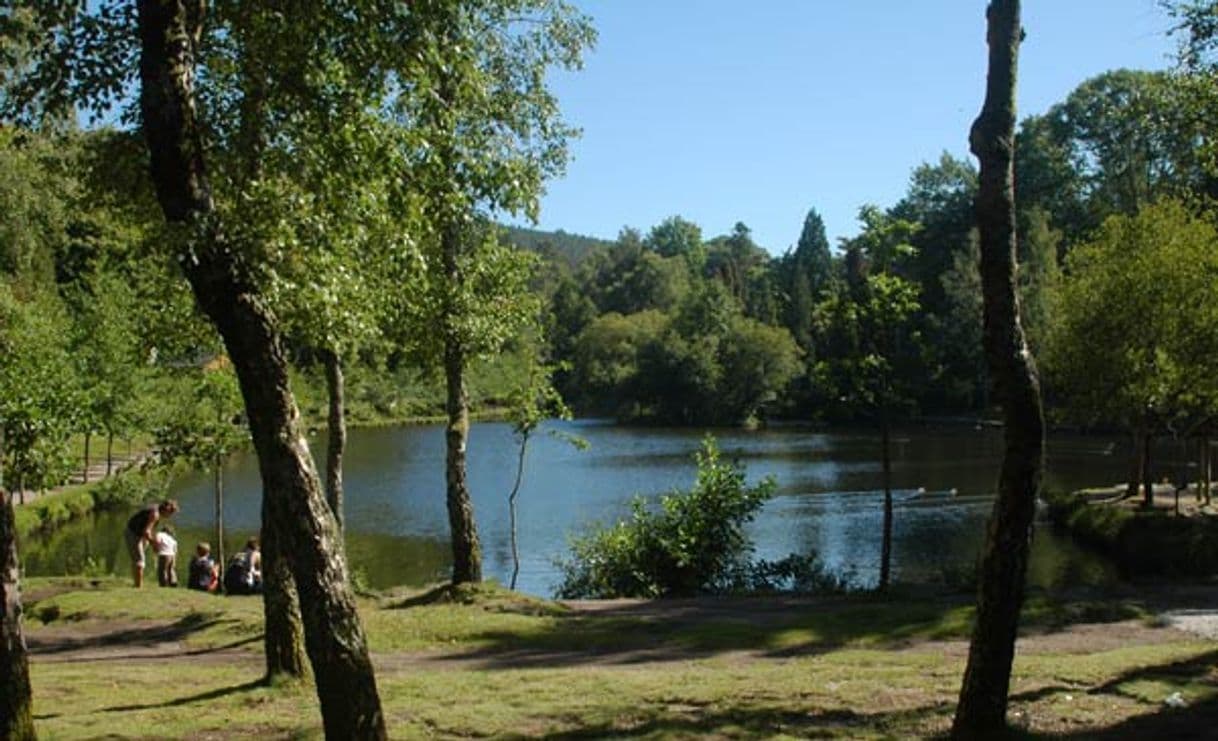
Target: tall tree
(981,712)
(885,305)
(807,272)
(16,696)
(1134,338)
(490,136)
(169,35)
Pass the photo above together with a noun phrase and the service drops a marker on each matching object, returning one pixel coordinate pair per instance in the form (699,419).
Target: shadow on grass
(751,721)
(189,699)
(668,630)
(1198,720)
(136,638)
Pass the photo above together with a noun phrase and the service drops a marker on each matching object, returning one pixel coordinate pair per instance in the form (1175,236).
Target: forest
(226,225)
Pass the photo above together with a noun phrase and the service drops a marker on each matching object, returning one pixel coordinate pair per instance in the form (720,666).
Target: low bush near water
(127,488)
(692,543)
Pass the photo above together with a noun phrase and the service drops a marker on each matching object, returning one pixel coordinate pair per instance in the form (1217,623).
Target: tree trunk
(293,499)
(1135,464)
(284,634)
(524,445)
(1207,469)
(84,475)
(337,441)
(886,540)
(467,554)
(16,697)
(218,484)
(1148,478)
(109,454)
(981,712)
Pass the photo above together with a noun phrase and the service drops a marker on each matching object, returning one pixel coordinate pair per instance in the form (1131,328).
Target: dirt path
(132,640)
(125,640)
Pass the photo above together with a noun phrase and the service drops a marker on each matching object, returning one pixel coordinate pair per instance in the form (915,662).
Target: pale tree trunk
(467,553)
(981,713)
(284,635)
(218,488)
(337,426)
(16,697)
(84,475)
(524,445)
(293,498)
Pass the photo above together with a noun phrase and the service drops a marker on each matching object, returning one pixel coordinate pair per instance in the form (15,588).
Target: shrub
(691,543)
(128,488)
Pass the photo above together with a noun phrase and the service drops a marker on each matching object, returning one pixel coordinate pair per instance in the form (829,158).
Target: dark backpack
(238,576)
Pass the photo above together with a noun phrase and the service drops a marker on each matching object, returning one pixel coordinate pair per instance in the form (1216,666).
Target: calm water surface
(828,500)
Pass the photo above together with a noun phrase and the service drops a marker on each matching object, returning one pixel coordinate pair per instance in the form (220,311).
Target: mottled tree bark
(467,553)
(293,500)
(16,697)
(337,440)
(284,635)
(981,713)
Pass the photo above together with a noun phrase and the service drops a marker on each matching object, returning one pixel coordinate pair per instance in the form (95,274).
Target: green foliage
(875,319)
(1143,542)
(206,425)
(677,237)
(35,193)
(1137,310)
(561,247)
(689,543)
(38,391)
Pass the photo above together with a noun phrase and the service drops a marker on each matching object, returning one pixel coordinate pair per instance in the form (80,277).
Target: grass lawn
(111,661)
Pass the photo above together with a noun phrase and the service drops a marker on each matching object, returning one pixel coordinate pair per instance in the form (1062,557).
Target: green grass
(489,663)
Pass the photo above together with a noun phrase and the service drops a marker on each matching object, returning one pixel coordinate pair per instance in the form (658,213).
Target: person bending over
(139,533)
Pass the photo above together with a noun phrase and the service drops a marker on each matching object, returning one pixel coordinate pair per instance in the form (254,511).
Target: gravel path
(1203,623)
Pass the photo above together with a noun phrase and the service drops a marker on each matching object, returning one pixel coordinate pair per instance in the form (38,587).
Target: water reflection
(828,500)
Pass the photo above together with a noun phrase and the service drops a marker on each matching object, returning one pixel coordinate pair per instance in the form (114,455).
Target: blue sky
(724,111)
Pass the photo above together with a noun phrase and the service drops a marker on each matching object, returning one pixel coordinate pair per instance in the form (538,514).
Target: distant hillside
(557,245)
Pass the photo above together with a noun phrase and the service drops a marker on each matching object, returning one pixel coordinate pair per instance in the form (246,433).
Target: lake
(828,500)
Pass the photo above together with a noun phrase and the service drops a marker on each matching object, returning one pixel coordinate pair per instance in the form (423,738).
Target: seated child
(244,572)
(204,571)
(166,547)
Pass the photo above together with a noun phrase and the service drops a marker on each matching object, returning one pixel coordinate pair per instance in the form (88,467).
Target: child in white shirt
(166,547)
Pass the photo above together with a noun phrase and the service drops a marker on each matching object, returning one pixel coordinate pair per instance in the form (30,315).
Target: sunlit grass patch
(483,661)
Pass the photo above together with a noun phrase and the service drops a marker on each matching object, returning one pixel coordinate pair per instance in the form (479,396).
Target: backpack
(238,576)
